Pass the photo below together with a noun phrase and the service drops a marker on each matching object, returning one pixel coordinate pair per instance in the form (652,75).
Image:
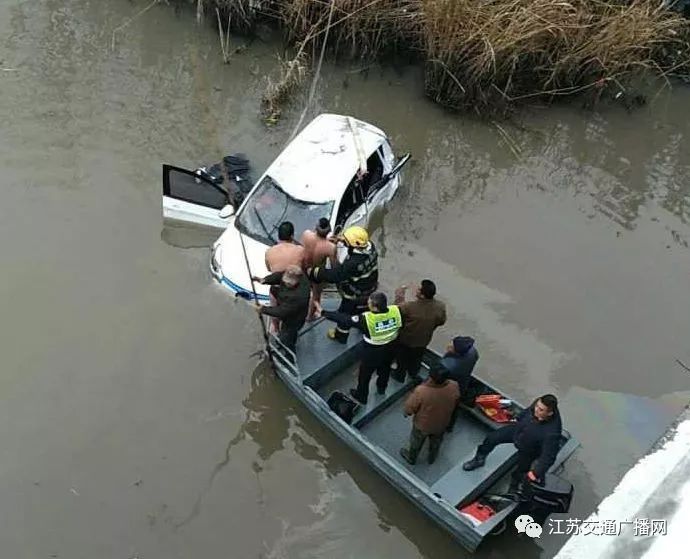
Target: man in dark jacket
(459,360)
(291,291)
(356,278)
(536,435)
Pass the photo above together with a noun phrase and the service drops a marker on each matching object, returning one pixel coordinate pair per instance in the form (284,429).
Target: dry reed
(487,55)
(492,54)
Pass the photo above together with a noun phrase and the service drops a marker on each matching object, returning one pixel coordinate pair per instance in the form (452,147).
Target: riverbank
(484,57)
(650,505)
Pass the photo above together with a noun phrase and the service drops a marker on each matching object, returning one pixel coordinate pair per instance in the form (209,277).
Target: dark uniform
(380,331)
(356,278)
(291,308)
(534,440)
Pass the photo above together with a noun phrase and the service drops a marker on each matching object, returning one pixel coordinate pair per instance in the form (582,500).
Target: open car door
(190,198)
(379,194)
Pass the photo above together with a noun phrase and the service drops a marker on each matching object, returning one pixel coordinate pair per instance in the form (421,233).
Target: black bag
(343,406)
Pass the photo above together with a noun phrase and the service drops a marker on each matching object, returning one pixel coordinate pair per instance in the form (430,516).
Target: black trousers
(374,359)
(409,360)
(505,435)
(288,335)
(350,307)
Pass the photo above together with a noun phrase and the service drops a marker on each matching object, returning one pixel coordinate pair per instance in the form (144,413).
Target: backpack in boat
(342,406)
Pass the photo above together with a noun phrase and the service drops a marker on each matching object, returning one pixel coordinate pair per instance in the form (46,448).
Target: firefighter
(356,278)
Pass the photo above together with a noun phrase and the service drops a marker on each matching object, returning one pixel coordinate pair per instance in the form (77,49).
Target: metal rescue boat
(469,505)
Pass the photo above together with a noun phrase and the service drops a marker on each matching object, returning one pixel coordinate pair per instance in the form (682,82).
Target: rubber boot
(515,485)
(405,453)
(476,462)
(338,335)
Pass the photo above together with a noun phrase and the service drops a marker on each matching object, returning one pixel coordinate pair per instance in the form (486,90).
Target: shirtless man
(286,252)
(317,249)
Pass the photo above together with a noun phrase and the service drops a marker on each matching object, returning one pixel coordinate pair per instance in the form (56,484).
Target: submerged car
(337,167)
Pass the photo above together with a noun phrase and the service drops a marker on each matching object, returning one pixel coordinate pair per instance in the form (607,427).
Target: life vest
(383,327)
(365,277)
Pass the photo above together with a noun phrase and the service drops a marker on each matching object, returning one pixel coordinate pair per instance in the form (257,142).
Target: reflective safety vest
(383,327)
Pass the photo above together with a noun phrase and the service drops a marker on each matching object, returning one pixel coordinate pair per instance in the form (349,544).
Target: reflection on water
(188,236)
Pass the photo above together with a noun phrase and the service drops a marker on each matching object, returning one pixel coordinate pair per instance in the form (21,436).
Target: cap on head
(462,344)
(286,231)
(323,227)
(356,236)
(428,289)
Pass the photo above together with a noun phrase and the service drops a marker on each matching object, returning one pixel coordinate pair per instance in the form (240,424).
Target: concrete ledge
(657,487)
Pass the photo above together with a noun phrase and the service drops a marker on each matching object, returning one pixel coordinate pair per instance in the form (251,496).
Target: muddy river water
(134,419)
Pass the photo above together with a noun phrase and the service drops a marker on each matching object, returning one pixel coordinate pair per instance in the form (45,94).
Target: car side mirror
(226,211)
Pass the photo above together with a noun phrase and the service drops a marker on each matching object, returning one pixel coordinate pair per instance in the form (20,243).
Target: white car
(315,176)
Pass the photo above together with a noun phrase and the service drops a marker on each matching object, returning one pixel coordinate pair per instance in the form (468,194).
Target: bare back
(316,249)
(284,254)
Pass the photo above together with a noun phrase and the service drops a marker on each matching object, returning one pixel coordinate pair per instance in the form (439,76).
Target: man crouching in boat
(356,278)
(536,435)
(380,325)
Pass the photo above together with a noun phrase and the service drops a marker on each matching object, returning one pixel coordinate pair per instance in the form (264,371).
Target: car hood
(230,258)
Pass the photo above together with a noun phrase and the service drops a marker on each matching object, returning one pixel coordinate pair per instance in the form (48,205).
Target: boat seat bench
(458,487)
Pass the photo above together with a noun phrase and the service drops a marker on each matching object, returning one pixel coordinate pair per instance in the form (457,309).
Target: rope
(256,301)
(312,89)
(226,176)
(362,166)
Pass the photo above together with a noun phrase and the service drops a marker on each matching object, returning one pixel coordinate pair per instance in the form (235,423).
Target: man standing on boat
(290,290)
(536,435)
(318,250)
(356,278)
(420,318)
(380,326)
(432,404)
(286,252)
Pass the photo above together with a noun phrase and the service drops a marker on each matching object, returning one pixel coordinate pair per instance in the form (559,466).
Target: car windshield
(268,206)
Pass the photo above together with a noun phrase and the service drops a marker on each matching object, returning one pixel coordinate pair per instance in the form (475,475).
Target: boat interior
(328,366)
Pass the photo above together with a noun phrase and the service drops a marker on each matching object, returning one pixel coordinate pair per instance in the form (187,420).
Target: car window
(268,206)
(357,192)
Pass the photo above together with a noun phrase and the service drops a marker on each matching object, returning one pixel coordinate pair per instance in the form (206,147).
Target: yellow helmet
(356,236)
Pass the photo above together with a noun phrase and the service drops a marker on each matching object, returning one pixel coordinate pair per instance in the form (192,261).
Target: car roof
(319,163)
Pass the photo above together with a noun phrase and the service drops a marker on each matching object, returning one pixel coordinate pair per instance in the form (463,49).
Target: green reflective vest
(383,327)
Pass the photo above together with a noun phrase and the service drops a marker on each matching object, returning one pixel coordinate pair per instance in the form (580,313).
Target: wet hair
(291,275)
(550,401)
(379,300)
(438,373)
(286,231)
(428,289)
(323,227)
